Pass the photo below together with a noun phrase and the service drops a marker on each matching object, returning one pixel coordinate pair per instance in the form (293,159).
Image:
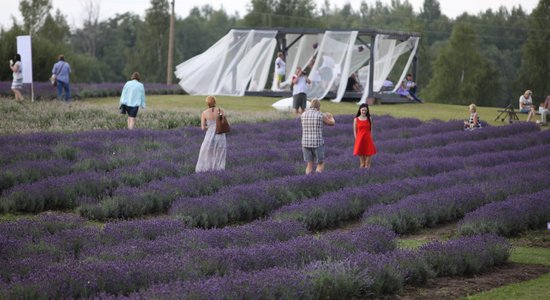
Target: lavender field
(117,214)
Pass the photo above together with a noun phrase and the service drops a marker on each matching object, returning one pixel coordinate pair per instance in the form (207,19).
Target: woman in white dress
(214,146)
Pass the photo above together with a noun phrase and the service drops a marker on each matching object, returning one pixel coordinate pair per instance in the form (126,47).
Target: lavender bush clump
(510,217)
(466,255)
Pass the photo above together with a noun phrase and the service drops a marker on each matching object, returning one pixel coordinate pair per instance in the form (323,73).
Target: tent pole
(371,66)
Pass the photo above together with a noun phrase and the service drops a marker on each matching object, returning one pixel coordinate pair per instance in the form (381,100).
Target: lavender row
(449,204)
(510,217)
(157,196)
(360,275)
(88,277)
(62,192)
(243,203)
(334,208)
(25,253)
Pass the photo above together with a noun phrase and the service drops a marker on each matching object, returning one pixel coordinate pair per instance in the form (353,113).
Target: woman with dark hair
(17,83)
(362,131)
(132,98)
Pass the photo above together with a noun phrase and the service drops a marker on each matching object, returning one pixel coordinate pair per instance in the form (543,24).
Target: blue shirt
(61,70)
(133,94)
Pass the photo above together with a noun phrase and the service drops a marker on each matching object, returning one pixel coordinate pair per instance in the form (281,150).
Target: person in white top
(17,84)
(280,69)
(526,104)
(299,90)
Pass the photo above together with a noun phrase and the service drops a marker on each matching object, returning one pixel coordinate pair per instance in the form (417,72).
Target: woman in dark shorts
(132,97)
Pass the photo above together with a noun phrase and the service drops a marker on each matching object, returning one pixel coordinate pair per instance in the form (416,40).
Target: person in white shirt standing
(299,90)
(280,69)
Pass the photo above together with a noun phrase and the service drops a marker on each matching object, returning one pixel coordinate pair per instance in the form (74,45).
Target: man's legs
(59,89)
(320,167)
(309,167)
(67,91)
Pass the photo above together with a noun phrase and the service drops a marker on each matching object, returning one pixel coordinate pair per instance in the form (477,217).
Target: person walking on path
(362,131)
(61,71)
(313,144)
(132,98)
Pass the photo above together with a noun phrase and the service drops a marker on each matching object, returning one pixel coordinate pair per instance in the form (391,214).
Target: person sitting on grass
(408,89)
(526,105)
(473,122)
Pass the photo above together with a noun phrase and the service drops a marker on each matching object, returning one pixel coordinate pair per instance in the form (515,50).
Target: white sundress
(213,150)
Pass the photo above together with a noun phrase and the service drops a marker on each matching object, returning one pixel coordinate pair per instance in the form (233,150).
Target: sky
(74,10)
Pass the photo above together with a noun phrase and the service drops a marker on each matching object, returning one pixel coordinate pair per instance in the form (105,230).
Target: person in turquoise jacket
(132,98)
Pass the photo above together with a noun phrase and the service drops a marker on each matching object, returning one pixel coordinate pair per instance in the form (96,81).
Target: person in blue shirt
(61,70)
(132,97)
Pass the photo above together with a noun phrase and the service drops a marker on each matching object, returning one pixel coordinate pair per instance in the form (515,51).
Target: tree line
(488,59)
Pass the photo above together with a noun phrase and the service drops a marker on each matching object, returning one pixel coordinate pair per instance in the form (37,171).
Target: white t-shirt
(300,86)
(280,66)
(526,102)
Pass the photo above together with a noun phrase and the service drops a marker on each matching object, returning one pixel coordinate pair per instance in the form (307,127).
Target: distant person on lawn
(526,105)
(544,110)
(473,122)
(313,144)
(132,98)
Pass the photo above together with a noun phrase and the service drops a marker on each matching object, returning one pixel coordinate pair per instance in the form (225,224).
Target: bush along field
(45,91)
(121,214)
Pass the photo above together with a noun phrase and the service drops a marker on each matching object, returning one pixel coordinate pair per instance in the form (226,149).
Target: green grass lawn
(173,111)
(426,111)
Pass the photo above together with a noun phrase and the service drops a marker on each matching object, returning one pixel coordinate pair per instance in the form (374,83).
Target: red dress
(363,142)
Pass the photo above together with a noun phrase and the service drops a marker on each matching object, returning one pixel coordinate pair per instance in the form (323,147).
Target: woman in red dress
(362,129)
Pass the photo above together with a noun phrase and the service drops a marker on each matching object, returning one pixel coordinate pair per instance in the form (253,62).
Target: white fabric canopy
(386,53)
(239,58)
(242,61)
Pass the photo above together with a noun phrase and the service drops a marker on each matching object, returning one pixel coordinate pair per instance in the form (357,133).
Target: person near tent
(544,111)
(387,85)
(299,90)
(60,72)
(280,69)
(214,146)
(362,131)
(353,84)
(132,98)
(313,144)
(473,122)
(408,89)
(17,83)
(526,105)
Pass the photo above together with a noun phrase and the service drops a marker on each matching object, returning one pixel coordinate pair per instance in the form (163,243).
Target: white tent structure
(241,62)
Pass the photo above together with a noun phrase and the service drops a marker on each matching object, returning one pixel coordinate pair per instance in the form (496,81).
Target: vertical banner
(24,49)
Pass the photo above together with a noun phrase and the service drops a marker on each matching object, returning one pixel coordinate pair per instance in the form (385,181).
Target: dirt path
(457,287)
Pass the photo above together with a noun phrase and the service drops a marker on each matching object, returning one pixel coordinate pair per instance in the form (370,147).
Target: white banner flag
(25,50)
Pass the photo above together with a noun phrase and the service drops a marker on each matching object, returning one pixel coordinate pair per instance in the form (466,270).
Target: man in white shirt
(280,69)
(299,89)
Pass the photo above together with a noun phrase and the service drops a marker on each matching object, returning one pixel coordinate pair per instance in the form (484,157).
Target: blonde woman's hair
(528,92)
(211,101)
(315,103)
(473,107)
